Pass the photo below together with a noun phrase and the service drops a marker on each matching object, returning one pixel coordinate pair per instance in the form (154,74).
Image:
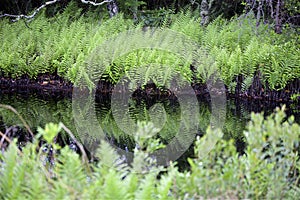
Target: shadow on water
(38,110)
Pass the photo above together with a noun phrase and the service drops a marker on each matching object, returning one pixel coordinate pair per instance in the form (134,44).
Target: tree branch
(278,18)
(96,4)
(8,107)
(18,17)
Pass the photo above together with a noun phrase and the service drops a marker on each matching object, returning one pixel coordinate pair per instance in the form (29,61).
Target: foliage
(268,169)
(64,43)
(241,48)
(57,44)
(295,97)
(275,13)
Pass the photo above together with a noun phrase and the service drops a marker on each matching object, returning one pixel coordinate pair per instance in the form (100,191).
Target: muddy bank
(54,85)
(261,91)
(44,85)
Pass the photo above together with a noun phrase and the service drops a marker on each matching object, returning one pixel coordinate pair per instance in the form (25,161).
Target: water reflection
(38,111)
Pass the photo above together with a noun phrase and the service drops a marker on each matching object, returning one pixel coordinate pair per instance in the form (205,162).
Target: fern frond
(12,172)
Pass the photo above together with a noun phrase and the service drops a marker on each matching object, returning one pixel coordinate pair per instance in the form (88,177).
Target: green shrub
(269,169)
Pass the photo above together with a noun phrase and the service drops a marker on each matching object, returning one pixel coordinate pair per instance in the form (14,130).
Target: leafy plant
(268,169)
(63,44)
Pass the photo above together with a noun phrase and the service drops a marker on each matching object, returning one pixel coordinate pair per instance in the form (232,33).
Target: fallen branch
(9,141)
(4,137)
(84,155)
(8,107)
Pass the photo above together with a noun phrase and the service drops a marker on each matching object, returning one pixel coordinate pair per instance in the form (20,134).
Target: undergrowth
(268,169)
(64,44)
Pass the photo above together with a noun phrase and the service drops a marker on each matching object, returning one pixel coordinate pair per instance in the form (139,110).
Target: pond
(39,108)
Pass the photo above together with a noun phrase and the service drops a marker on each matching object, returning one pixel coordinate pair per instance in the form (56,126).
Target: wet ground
(53,84)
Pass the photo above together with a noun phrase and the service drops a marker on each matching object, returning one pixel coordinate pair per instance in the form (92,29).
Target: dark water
(38,110)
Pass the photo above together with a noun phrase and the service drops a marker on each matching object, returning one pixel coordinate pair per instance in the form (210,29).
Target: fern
(185,23)
(164,188)
(271,159)
(146,189)
(12,174)
(64,44)
(113,188)
(247,82)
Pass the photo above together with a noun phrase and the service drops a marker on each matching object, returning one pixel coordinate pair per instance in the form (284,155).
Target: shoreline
(52,84)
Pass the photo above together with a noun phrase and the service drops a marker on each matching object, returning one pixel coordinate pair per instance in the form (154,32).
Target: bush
(269,168)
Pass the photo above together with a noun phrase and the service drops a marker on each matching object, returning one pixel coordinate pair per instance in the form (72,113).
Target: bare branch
(18,17)
(4,137)
(96,4)
(271,8)
(8,107)
(84,155)
(9,141)
(259,12)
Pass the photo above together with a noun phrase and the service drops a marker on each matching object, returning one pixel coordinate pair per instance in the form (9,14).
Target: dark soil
(260,91)
(54,85)
(45,85)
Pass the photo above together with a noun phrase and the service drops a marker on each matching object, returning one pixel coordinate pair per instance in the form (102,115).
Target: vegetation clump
(65,43)
(268,169)
(252,60)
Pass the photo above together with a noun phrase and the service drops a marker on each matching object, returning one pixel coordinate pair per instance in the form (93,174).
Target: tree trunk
(113,8)
(278,16)
(204,11)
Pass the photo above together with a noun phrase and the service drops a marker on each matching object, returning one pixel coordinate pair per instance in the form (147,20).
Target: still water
(38,110)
